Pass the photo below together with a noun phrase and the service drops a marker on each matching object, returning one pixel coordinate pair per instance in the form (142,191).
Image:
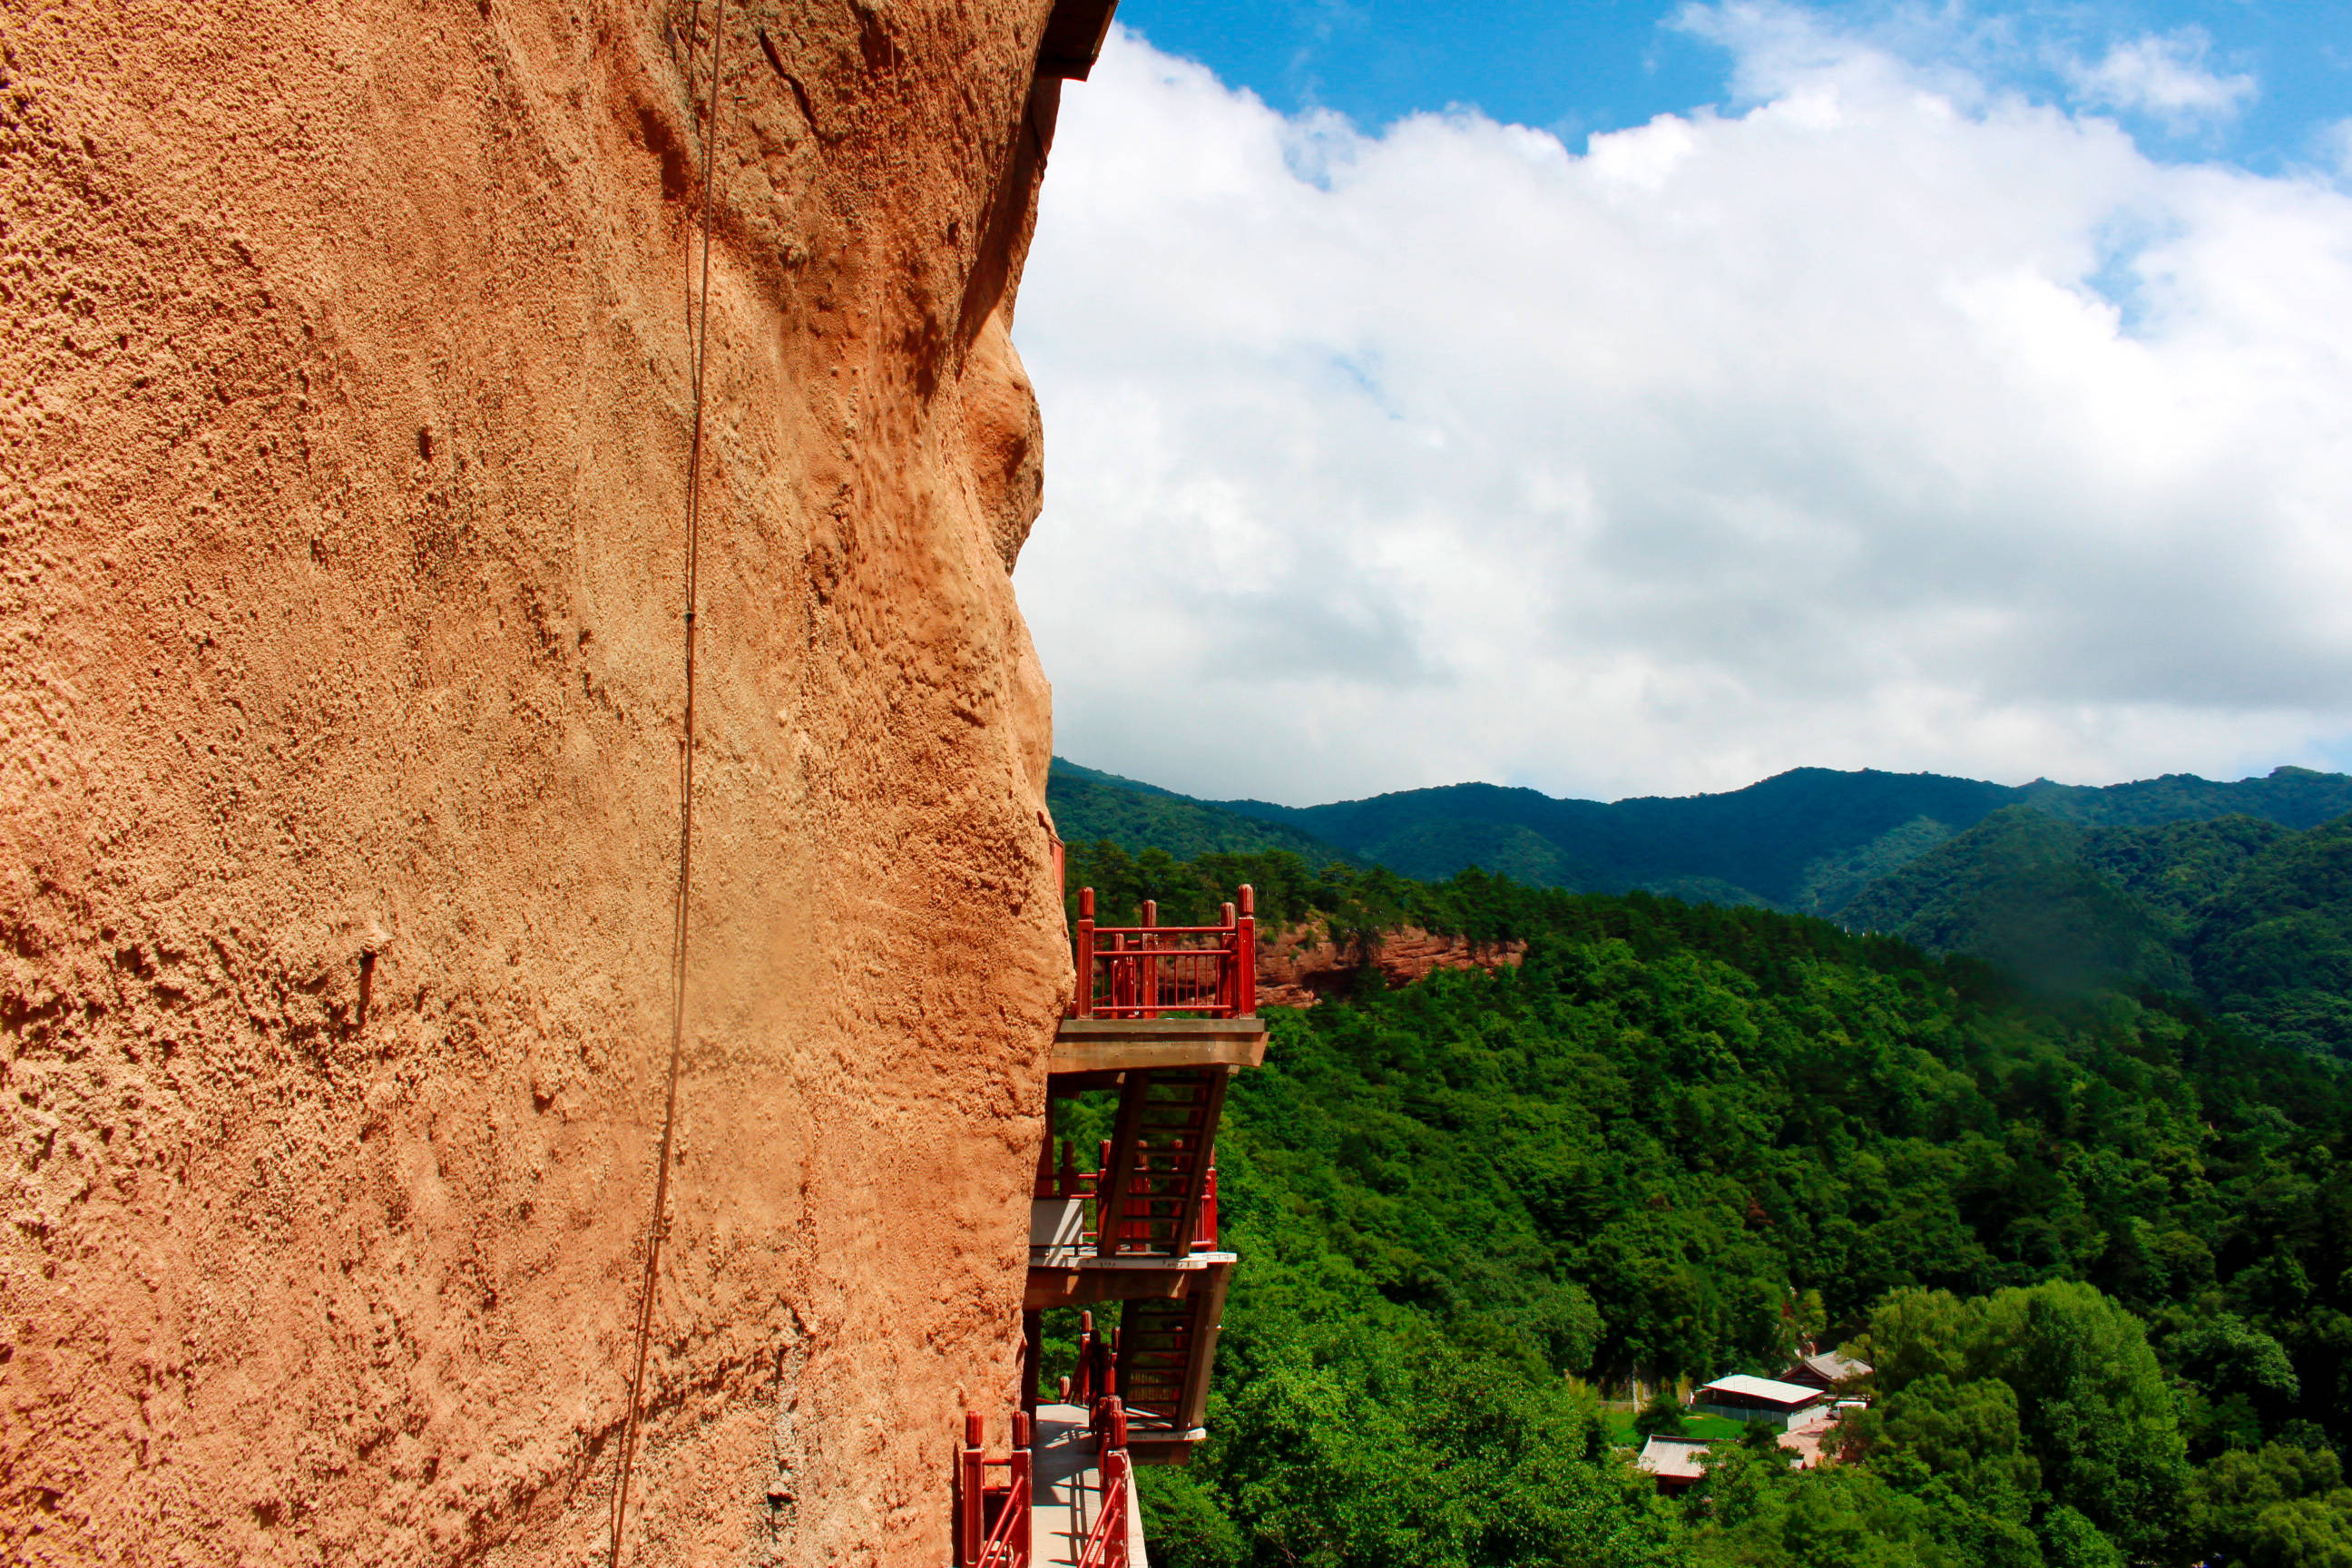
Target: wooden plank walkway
(1067,1484)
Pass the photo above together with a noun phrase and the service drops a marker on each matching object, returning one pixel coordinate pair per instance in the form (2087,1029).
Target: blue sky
(1604,65)
(1623,400)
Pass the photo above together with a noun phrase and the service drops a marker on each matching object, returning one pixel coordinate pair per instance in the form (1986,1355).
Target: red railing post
(1147,986)
(1084,1000)
(1091,1228)
(1106,1542)
(1135,1218)
(1206,1229)
(1020,1496)
(971,1482)
(1105,1380)
(1245,955)
(1118,1500)
(1229,974)
(1118,1487)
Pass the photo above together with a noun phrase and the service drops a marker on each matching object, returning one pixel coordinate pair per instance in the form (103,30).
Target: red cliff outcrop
(343,447)
(1300,966)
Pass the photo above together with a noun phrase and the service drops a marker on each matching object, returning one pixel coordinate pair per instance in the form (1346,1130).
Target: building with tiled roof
(1675,1461)
(1824,1369)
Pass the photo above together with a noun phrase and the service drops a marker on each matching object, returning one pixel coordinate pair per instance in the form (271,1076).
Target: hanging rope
(697,343)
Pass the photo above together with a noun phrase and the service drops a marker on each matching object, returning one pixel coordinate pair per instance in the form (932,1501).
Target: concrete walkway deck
(1067,1488)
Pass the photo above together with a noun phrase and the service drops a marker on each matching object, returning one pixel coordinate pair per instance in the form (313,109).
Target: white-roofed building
(1761,1400)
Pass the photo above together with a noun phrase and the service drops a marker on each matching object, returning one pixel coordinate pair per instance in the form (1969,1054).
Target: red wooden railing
(992,1524)
(1097,1369)
(1143,971)
(1135,1227)
(1106,1545)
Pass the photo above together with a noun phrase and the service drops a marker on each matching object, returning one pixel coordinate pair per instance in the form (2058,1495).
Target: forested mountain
(2239,894)
(2062,904)
(2274,952)
(1808,840)
(2099,1247)
(1754,845)
(2291,797)
(1089,806)
(2252,917)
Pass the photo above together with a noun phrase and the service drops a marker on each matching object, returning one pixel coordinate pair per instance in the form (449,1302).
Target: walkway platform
(1084,1046)
(1066,1483)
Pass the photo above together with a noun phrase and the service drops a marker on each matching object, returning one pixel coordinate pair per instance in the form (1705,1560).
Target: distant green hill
(2273,953)
(2237,892)
(2291,797)
(1089,806)
(1807,840)
(1755,844)
(2253,918)
(2061,904)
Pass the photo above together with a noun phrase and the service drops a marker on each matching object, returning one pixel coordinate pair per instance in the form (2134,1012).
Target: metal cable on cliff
(698,345)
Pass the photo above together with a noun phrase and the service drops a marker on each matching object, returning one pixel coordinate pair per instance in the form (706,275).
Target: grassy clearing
(1713,1429)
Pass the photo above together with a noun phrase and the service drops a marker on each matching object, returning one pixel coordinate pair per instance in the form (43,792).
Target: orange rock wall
(343,431)
(1300,966)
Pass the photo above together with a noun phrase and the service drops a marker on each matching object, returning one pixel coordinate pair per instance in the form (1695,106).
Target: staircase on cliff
(1164,1016)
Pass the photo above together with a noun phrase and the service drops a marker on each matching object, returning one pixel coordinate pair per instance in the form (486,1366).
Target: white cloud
(2163,75)
(2334,143)
(1891,422)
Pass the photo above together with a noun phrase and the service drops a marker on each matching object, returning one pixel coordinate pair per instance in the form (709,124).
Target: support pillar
(1033,1358)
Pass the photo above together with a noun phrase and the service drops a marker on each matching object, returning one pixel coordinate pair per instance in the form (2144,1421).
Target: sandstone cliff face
(1300,966)
(341,500)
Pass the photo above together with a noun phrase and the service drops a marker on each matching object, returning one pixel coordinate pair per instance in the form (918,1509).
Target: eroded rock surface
(1301,965)
(343,429)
